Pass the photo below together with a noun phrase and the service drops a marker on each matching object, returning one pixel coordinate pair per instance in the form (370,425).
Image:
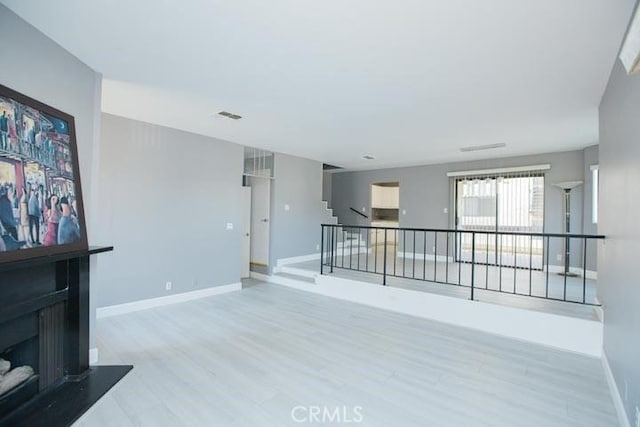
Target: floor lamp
(567,186)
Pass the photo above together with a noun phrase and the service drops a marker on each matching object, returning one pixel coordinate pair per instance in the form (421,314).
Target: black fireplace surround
(44,323)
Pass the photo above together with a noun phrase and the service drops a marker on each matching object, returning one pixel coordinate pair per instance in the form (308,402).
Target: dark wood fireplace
(44,325)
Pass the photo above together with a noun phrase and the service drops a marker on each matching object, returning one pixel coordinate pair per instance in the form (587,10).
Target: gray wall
(425,191)
(619,213)
(38,67)
(166,197)
(327,178)
(297,183)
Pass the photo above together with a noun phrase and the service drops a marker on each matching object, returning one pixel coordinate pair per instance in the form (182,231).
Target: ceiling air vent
(368,157)
(328,167)
(483,147)
(229,115)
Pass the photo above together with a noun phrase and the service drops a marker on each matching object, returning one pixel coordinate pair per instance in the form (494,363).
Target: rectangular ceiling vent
(483,147)
(328,167)
(230,115)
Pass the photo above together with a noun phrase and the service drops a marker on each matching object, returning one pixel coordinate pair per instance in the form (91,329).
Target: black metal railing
(354,210)
(518,263)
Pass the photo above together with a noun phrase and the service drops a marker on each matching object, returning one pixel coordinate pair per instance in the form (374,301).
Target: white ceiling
(407,81)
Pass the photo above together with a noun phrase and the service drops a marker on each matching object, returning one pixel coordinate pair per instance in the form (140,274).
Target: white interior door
(246,231)
(260,220)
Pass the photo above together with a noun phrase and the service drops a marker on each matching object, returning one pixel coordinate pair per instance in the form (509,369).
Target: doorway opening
(258,174)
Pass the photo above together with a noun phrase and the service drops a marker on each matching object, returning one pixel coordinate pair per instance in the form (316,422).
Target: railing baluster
(375,256)
(424,258)
(486,264)
(332,259)
(343,237)
(435,256)
(515,262)
(358,264)
(404,251)
(473,262)
(384,265)
(446,260)
(500,266)
(366,268)
(584,272)
(546,291)
(530,263)
(566,270)
(459,255)
(321,249)
(350,246)
(413,273)
(395,250)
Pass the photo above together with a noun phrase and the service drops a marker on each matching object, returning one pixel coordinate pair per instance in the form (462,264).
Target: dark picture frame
(38,166)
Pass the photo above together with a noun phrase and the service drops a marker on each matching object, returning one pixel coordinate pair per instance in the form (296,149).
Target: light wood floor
(248,358)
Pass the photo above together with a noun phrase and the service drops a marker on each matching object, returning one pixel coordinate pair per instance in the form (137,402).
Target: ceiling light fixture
(229,115)
(630,52)
(483,147)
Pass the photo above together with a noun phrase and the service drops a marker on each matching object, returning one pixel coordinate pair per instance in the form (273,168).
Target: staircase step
(309,274)
(296,277)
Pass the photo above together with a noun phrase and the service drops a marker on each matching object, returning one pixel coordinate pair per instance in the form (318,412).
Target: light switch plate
(229,226)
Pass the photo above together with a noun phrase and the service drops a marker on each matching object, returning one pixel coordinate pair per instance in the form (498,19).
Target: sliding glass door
(509,203)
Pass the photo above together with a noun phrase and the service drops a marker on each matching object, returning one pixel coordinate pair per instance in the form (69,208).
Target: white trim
(594,167)
(93,356)
(115,310)
(615,392)
(500,170)
(298,272)
(297,259)
(420,256)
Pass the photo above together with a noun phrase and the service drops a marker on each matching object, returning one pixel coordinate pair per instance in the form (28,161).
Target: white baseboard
(615,392)
(592,275)
(420,256)
(93,356)
(115,310)
(297,259)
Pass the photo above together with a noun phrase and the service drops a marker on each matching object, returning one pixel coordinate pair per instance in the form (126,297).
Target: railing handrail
(358,212)
(492,233)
